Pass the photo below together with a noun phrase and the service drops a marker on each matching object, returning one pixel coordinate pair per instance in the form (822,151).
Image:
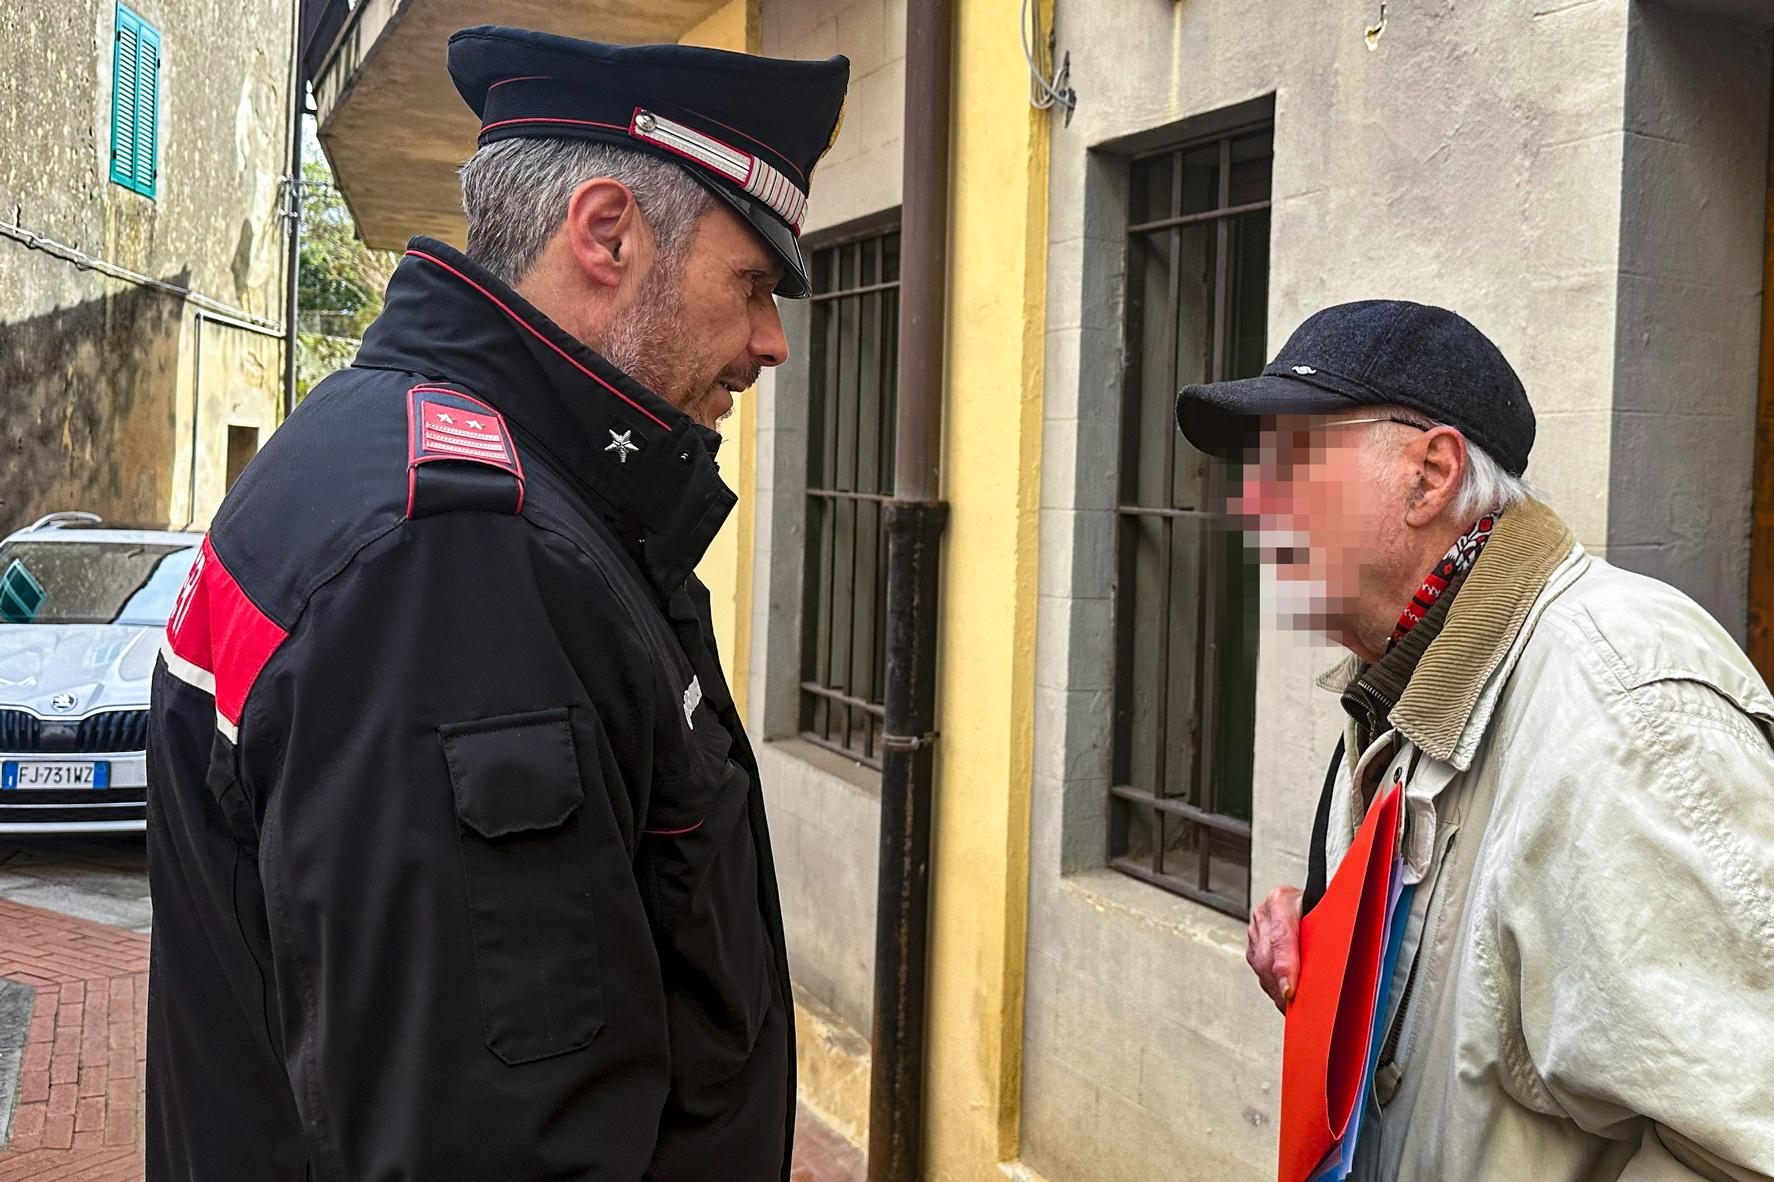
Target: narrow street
(74,918)
(102,878)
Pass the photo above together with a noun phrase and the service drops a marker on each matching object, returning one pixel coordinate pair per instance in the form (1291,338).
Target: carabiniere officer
(458,853)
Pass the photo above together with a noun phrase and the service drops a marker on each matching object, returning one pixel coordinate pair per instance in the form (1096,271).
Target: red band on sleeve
(218,638)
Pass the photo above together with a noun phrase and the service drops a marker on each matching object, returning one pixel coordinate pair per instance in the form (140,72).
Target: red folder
(1331,1017)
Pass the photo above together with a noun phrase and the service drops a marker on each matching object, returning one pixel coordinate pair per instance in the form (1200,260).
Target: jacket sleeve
(1635,934)
(447,759)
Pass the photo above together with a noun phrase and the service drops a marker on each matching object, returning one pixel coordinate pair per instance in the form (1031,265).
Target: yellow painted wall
(986,692)
(991,462)
(727,567)
(734,25)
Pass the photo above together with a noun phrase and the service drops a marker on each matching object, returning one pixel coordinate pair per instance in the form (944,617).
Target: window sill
(1107,890)
(855,775)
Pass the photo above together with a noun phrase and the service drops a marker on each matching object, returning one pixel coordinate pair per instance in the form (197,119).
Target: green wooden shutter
(135,104)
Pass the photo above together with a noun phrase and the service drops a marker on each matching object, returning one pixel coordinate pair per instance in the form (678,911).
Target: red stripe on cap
(533,331)
(546,119)
(217,629)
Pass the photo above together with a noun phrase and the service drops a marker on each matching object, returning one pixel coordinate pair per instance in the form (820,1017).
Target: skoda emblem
(64,702)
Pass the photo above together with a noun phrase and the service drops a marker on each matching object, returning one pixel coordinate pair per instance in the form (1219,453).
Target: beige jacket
(1590,948)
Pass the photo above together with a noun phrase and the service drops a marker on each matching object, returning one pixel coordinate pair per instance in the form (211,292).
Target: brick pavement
(80,1081)
(80,1084)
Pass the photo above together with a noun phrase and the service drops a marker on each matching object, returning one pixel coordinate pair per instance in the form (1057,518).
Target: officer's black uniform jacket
(457,850)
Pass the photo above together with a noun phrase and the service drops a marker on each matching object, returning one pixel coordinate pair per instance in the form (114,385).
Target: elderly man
(459,860)
(1586,984)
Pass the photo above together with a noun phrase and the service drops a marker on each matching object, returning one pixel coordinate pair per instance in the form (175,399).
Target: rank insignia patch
(447,425)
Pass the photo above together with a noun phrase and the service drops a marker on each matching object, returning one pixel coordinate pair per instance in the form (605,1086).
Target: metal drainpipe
(292,212)
(196,416)
(915,517)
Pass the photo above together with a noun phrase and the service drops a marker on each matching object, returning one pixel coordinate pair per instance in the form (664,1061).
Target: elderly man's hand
(1273,944)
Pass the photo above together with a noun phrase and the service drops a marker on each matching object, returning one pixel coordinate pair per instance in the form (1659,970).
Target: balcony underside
(391,121)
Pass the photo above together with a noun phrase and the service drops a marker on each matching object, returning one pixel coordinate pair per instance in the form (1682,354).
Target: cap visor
(1222,418)
(776,235)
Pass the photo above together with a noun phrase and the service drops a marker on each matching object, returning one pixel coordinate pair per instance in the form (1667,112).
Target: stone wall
(100,375)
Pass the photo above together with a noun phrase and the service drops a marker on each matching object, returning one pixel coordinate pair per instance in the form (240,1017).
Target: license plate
(85,773)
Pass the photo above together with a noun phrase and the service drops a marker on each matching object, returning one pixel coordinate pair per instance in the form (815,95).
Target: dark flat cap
(750,129)
(1371,353)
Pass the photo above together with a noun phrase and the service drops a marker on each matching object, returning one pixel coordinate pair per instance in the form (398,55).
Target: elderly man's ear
(1440,458)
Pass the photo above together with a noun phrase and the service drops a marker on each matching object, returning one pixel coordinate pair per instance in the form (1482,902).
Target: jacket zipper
(1397,1045)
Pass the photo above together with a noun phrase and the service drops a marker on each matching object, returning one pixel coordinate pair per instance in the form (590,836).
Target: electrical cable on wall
(1047,89)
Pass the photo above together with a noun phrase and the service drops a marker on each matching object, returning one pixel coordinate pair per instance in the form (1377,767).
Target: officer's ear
(605,231)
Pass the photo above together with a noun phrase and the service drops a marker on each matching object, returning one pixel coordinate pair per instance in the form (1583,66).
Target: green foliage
(340,284)
(318,355)
(341,280)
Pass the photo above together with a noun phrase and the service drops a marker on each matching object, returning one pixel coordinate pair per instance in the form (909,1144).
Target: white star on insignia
(444,418)
(621,444)
(473,424)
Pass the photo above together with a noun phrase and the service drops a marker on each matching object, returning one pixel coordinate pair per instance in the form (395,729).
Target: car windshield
(91,582)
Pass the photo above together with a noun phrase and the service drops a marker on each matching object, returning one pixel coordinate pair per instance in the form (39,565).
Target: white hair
(1484,486)
(515,194)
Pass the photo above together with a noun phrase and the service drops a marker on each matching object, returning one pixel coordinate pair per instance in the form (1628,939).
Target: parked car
(82,610)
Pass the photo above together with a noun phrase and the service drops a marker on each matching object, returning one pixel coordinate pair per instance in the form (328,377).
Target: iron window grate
(1186,592)
(854,367)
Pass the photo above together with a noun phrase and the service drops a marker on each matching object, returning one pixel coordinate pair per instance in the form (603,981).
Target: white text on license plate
(54,774)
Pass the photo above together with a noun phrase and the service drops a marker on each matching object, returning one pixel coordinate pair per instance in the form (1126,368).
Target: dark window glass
(243,445)
(91,582)
(854,356)
(1186,592)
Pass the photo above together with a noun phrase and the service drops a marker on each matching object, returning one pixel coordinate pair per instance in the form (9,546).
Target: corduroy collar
(1375,692)
(1529,543)
(1430,683)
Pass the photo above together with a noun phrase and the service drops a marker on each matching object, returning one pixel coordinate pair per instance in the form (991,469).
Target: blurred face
(1319,504)
(700,328)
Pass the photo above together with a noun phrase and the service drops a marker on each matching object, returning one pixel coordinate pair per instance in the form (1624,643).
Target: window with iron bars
(850,428)
(1186,590)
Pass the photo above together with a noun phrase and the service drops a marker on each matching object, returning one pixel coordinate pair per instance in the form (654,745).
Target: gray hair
(515,194)
(1484,487)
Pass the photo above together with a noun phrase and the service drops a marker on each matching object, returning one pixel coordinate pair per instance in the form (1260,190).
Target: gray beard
(641,342)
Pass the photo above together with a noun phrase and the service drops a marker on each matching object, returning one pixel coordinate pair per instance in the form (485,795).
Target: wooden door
(1761,556)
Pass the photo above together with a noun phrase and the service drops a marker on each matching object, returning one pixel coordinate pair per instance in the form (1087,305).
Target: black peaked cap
(750,129)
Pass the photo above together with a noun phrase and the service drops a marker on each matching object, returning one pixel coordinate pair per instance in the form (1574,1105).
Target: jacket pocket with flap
(527,873)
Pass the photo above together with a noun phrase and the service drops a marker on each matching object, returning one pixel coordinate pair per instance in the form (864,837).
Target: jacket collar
(1431,694)
(1375,691)
(1528,545)
(650,468)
